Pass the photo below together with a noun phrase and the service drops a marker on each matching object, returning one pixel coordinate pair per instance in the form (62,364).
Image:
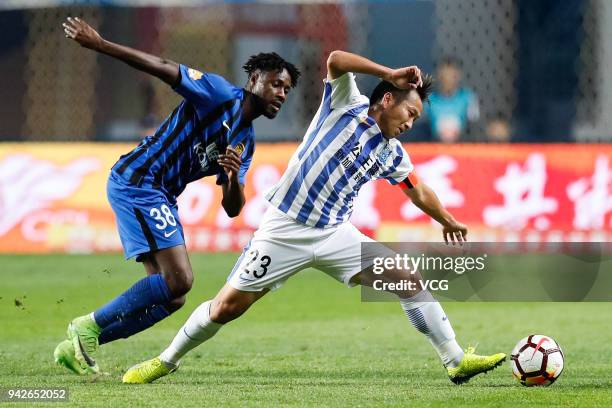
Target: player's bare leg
(173,264)
(428,317)
(203,324)
(180,277)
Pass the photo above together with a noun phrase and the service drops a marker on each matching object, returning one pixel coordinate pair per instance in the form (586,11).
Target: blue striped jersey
(342,150)
(187,144)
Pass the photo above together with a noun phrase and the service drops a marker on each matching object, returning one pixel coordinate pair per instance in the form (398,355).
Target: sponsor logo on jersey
(206,155)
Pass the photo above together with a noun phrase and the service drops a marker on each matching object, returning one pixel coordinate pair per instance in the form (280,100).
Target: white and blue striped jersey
(342,149)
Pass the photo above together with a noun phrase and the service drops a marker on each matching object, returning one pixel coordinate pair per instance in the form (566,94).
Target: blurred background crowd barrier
(534,73)
(524,70)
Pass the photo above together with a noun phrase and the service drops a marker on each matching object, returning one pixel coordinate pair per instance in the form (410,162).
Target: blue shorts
(146,219)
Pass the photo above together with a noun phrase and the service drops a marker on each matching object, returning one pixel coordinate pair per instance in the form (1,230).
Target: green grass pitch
(312,343)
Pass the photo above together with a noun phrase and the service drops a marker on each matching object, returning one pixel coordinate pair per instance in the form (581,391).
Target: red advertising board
(53,196)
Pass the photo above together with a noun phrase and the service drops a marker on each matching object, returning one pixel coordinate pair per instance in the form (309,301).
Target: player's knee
(179,281)
(224,312)
(175,304)
(183,284)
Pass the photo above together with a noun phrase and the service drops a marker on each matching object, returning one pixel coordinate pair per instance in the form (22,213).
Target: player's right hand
(230,161)
(455,232)
(81,32)
(406,78)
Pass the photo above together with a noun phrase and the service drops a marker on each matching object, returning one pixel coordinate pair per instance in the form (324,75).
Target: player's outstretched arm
(341,62)
(81,32)
(424,197)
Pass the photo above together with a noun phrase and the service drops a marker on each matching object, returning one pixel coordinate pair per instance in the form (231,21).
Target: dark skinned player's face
(272,87)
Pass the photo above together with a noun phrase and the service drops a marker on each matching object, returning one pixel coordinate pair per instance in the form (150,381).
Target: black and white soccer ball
(537,360)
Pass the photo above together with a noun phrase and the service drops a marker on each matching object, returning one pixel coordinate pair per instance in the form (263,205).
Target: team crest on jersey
(239,148)
(194,74)
(384,154)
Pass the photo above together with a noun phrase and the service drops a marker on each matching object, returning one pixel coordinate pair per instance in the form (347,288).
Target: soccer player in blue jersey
(210,133)
(350,141)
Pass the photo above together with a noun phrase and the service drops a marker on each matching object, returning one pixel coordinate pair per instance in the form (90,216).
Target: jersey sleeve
(344,91)
(203,89)
(402,170)
(244,167)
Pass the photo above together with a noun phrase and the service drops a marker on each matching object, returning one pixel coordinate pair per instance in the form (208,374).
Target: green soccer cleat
(64,356)
(83,332)
(472,364)
(147,372)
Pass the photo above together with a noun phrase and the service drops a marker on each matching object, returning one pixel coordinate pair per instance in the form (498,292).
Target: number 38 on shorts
(163,216)
(164,227)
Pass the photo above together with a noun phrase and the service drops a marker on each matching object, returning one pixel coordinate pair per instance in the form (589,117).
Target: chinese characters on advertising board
(53,196)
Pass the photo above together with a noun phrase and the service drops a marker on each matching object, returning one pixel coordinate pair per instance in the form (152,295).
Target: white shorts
(282,247)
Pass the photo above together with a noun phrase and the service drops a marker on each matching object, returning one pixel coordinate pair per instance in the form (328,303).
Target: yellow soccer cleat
(473,364)
(147,372)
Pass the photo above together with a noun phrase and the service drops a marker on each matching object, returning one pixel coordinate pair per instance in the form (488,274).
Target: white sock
(428,317)
(194,332)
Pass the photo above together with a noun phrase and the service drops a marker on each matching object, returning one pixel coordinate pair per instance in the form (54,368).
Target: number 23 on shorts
(257,266)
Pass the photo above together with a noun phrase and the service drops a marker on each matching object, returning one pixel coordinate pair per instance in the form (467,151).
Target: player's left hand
(406,78)
(455,232)
(230,161)
(81,32)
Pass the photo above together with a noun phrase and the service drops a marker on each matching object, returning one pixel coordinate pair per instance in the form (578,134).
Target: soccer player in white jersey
(350,141)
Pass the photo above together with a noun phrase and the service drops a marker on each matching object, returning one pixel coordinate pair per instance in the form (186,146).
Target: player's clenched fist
(230,161)
(81,32)
(406,78)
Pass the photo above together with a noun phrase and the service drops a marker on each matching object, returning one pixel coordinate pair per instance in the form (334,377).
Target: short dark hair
(383,87)
(271,61)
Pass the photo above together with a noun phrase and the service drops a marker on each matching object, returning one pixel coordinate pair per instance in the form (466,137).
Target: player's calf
(206,320)
(424,313)
(175,304)
(196,330)
(230,304)
(223,311)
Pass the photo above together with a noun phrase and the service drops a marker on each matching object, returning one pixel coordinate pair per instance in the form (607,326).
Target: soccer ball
(537,360)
